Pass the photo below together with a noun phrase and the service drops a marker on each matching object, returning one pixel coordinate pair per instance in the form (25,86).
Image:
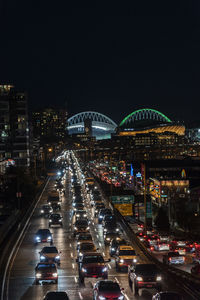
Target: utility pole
(145,198)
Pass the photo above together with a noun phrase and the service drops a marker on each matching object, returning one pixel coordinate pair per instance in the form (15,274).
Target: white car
(161,247)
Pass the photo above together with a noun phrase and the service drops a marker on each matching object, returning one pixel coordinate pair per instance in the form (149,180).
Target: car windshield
(170,296)
(81,223)
(46,207)
(110,224)
(57,296)
(173,254)
(87,247)
(82,212)
(85,237)
(127,252)
(43,232)
(105,211)
(55,216)
(107,286)
(90,259)
(46,266)
(146,269)
(49,250)
(110,218)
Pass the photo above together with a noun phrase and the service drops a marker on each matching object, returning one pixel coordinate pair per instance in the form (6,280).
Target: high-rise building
(14,129)
(49,123)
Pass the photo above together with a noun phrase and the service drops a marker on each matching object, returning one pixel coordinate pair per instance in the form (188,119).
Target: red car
(107,289)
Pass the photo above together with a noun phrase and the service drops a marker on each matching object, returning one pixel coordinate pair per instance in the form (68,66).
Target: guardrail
(10,241)
(8,224)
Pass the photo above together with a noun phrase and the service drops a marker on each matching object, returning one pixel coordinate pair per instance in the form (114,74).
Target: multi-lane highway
(20,282)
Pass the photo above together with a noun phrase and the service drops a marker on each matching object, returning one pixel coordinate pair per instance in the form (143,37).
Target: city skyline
(105,58)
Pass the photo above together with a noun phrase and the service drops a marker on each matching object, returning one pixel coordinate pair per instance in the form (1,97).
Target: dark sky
(108,56)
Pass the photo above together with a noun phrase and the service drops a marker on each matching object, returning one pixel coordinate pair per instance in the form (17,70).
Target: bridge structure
(102,126)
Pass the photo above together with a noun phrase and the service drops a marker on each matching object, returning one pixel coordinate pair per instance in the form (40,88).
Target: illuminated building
(49,123)
(14,129)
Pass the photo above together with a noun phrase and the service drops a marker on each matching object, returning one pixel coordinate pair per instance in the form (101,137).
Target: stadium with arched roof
(148,120)
(102,126)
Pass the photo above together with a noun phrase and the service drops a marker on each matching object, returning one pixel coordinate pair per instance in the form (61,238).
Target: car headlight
(112,249)
(121,297)
(104,269)
(57,257)
(78,243)
(55,274)
(100,217)
(75,228)
(121,261)
(50,221)
(38,275)
(85,215)
(51,210)
(60,220)
(80,254)
(139,278)
(75,208)
(105,230)
(78,215)
(37,238)
(102,298)
(49,238)
(42,257)
(158,278)
(134,260)
(73,204)
(117,229)
(88,228)
(42,211)
(107,239)
(84,270)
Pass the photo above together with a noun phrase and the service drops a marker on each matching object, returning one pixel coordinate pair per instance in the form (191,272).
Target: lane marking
(73,266)
(117,280)
(72,255)
(75,279)
(126,297)
(81,297)
(109,266)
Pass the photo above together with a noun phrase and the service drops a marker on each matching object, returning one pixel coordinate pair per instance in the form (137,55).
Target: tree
(162,220)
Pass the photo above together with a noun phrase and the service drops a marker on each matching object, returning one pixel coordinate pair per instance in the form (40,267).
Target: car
(93,265)
(77,200)
(96,200)
(55,219)
(141,236)
(78,206)
(178,242)
(167,296)
(164,238)
(56,295)
(107,289)
(110,227)
(152,239)
(46,210)
(80,214)
(161,246)
(144,276)
(94,192)
(109,218)
(124,257)
(50,254)
(85,247)
(173,258)
(97,208)
(43,236)
(108,236)
(80,226)
(115,242)
(102,213)
(46,272)
(53,197)
(84,237)
(56,206)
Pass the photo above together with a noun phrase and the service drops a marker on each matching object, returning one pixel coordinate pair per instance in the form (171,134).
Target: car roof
(92,253)
(125,247)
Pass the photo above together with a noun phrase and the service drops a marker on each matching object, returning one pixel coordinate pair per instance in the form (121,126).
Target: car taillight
(170,258)
(152,248)
(148,240)
(191,246)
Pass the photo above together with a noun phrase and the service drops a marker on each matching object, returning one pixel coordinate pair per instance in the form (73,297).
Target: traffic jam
(89,240)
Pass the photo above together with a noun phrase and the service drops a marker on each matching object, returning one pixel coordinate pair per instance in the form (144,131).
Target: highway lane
(21,274)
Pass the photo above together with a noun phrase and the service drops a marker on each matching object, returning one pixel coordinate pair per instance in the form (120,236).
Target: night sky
(107,56)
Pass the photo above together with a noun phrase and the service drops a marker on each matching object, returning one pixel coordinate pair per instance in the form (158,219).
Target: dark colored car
(81,226)
(55,219)
(102,213)
(55,295)
(46,210)
(117,241)
(173,258)
(97,208)
(108,236)
(92,265)
(110,227)
(84,237)
(43,236)
(107,289)
(167,296)
(78,206)
(109,218)
(77,200)
(144,276)
(46,272)
(56,206)
(85,247)
(50,254)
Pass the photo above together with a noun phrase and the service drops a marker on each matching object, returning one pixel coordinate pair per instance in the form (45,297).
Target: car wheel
(135,290)
(81,279)
(130,283)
